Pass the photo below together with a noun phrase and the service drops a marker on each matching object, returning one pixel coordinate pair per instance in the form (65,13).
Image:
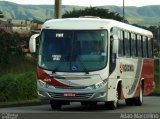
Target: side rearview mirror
(115,43)
(32,43)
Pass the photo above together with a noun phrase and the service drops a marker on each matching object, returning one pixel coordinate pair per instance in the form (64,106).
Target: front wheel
(84,103)
(55,104)
(87,103)
(112,105)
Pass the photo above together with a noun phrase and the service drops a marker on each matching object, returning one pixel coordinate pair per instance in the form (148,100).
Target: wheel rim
(141,94)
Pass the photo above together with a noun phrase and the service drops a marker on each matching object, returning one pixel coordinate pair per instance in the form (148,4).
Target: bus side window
(130,44)
(144,47)
(139,46)
(127,43)
(133,44)
(121,45)
(150,48)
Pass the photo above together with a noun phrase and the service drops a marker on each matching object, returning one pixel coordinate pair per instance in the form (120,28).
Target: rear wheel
(139,100)
(129,102)
(55,104)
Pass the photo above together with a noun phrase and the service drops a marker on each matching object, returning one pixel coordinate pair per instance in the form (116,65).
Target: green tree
(154,30)
(1,14)
(9,48)
(93,11)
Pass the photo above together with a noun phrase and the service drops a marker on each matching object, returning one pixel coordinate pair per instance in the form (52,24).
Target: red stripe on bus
(147,74)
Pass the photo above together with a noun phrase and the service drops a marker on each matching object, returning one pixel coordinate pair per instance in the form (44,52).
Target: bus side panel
(147,73)
(112,83)
(129,78)
(129,73)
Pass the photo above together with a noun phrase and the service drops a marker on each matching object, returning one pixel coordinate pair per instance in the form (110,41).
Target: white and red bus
(92,60)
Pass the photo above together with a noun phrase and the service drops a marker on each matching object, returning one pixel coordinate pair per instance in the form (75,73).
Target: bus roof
(92,23)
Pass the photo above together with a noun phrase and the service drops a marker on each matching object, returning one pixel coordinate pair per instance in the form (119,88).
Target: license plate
(69,94)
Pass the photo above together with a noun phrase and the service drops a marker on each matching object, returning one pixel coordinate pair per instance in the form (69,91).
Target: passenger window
(139,46)
(133,44)
(150,49)
(121,47)
(127,43)
(144,46)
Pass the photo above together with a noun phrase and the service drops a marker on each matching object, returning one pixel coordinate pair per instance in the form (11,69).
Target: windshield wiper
(83,66)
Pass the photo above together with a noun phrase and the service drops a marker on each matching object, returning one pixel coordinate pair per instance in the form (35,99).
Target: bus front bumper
(90,93)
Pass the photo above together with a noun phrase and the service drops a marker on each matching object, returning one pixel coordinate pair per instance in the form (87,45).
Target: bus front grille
(77,96)
(71,87)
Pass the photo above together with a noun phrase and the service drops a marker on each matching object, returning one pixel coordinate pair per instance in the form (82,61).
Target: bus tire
(112,105)
(55,104)
(129,102)
(84,103)
(93,103)
(139,100)
(87,103)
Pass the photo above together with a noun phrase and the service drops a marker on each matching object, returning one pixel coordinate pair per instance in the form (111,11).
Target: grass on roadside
(156,91)
(18,81)
(20,102)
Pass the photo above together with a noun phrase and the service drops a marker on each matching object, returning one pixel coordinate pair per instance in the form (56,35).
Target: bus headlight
(43,84)
(97,85)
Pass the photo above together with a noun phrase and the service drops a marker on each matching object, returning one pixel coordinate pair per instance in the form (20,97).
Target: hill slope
(40,12)
(147,15)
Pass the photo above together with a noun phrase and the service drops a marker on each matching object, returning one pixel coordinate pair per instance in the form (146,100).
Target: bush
(18,87)
(11,45)
(156,91)
(17,80)
(8,46)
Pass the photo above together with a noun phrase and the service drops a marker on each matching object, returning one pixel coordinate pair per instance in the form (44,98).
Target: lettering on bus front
(126,68)
(59,35)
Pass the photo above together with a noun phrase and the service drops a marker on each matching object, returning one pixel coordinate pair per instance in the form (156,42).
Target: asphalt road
(149,110)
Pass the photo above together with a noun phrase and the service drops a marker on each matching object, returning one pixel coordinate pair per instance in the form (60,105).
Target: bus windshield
(73,51)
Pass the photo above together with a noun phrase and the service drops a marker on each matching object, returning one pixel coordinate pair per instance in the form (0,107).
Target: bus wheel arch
(137,100)
(119,88)
(112,105)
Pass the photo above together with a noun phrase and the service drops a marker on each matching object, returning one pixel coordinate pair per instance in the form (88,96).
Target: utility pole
(57,9)
(159,36)
(123,12)
(158,42)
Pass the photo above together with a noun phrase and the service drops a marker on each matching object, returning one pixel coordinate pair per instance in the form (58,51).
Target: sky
(137,3)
